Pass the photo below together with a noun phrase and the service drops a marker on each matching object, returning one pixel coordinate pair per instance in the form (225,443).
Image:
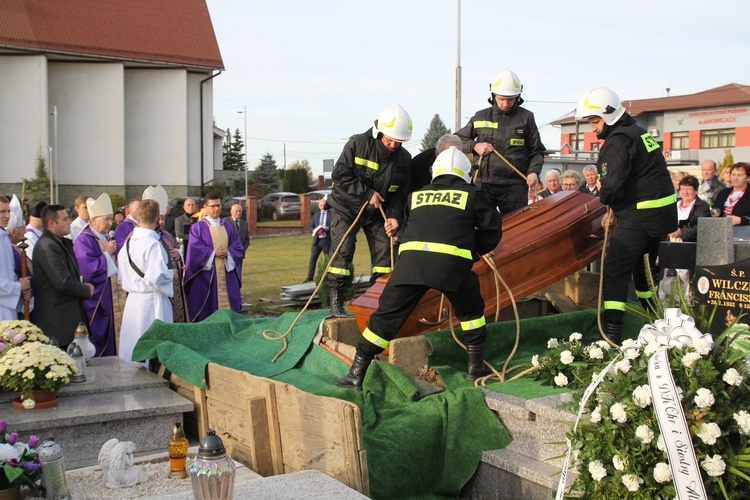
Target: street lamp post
(244,145)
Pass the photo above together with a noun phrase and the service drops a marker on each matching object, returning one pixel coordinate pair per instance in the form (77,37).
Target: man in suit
(553,183)
(240,224)
(58,288)
(183,222)
(592,184)
(321,242)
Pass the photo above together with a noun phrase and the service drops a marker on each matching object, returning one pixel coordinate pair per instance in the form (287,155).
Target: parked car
(176,204)
(315,196)
(279,206)
(226,205)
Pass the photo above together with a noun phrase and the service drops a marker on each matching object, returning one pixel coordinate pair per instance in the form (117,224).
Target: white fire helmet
(452,162)
(393,122)
(506,84)
(601,102)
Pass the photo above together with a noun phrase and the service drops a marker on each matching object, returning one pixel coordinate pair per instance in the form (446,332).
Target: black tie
(237,223)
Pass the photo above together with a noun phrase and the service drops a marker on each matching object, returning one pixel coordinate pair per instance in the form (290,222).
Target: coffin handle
(442,319)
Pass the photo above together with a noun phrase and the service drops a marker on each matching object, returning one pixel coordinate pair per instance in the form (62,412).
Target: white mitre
(100,206)
(159,195)
(16,214)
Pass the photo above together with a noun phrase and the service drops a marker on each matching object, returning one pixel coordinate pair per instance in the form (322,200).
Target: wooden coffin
(541,244)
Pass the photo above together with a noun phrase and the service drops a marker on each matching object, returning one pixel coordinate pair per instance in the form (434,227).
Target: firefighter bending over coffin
(449,224)
(372,168)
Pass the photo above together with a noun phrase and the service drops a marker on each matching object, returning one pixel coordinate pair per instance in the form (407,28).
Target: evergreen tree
(297,177)
(234,159)
(37,189)
(266,174)
(436,130)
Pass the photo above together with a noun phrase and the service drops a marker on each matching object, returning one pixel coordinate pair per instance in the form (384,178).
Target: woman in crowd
(734,201)
(689,209)
(726,176)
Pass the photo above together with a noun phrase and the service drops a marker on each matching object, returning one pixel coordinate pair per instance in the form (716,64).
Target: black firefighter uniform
(637,186)
(365,167)
(449,224)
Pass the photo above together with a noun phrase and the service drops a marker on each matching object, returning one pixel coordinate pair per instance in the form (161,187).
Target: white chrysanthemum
(566,357)
(622,366)
(596,353)
(603,344)
(690,358)
(552,343)
(703,345)
(597,470)
(709,433)
(29,404)
(651,348)
(619,463)
(596,415)
(642,395)
(662,473)
(561,380)
(535,360)
(619,413)
(733,377)
(575,337)
(632,482)
(714,466)
(743,420)
(628,343)
(632,353)
(644,433)
(594,375)
(704,398)
(660,443)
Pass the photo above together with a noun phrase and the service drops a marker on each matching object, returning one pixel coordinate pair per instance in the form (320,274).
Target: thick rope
(385,219)
(601,280)
(273,334)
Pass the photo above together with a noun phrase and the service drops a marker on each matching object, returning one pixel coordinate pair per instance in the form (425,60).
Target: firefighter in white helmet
(512,132)
(372,168)
(440,256)
(636,185)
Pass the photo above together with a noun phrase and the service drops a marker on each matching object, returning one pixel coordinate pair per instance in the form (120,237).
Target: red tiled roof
(727,95)
(163,31)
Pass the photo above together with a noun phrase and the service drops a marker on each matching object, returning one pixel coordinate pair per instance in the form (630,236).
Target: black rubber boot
(613,331)
(337,291)
(475,367)
(353,379)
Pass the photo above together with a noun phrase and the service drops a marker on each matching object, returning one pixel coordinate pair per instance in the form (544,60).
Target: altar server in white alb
(146,276)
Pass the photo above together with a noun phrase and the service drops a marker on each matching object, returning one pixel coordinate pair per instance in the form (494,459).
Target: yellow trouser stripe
(338,270)
(373,338)
(366,163)
(644,295)
(614,304)
(473,324)
(661,202)
(382,270)
(426,246)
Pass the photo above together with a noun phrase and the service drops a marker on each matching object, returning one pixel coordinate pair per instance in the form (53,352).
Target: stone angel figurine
(116,461)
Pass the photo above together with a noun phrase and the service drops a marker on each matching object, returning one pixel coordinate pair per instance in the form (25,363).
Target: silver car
(279,206)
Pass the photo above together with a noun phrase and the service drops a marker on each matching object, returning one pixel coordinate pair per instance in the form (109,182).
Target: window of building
(576,142)
(680,140)
(595,146)
(723,138)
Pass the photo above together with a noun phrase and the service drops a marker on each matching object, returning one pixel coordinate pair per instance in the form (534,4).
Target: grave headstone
(725,287)
(715,241)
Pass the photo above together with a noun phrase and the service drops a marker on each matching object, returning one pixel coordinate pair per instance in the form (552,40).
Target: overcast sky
(313,73)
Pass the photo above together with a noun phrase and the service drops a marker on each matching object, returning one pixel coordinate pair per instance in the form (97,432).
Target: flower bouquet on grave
(19,461)
(34,366)
(16,332)
(623,444)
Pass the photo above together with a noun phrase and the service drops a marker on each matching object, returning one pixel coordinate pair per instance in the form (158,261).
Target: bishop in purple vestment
(124,228)
(200,268)
(95,255)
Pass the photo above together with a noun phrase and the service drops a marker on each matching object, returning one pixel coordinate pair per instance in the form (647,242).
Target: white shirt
(75,228)
(10,288)
(32,236)
(148,296)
